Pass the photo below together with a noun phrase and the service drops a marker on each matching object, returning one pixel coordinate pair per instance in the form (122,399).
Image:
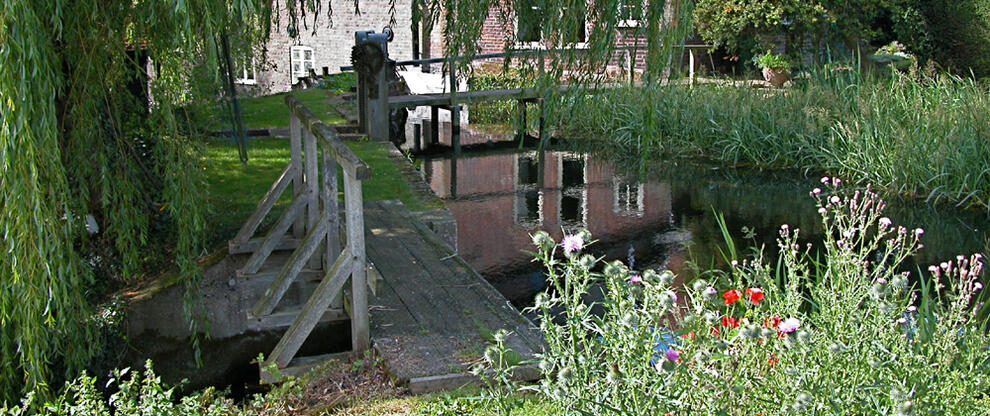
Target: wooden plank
(400,340)
(264,207)
(312,183)
(253,264)
(291,269)
(360,339)
(459,281)
(310,314)
(251,245)
(284,319)
(331,209)
(266,278)
(295,159)
(430,384)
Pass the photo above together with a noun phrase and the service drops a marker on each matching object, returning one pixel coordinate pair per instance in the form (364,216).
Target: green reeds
(923,137)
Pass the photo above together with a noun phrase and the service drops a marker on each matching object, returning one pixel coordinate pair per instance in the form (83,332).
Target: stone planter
(776,77)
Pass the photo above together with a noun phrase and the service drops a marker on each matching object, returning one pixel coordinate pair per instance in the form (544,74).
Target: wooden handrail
(328,137)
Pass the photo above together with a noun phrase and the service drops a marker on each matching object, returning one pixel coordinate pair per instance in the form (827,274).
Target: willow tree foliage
(95,106)
(100,174)
(581,39)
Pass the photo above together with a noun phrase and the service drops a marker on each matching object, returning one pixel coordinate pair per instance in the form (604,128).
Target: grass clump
(846,333)
(922,137)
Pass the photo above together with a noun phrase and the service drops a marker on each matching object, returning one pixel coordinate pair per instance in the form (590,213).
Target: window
(630,14)
(302,61)
(244,72)
(530,20)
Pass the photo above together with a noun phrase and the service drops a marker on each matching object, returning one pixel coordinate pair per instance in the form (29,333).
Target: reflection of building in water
(502,198)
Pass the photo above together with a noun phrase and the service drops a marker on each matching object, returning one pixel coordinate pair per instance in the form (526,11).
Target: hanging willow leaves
(98,118)
(95,104)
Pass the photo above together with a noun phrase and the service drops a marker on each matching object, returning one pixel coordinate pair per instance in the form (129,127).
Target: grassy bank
(925,138)
(270,110)
(235,190)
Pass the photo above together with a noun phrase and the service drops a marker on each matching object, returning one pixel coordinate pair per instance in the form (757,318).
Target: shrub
(849,334)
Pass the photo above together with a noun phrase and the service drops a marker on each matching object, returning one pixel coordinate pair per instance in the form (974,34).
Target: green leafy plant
(845,333)
(772,61)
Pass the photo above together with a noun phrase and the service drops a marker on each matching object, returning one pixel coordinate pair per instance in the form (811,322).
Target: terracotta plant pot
(776,77)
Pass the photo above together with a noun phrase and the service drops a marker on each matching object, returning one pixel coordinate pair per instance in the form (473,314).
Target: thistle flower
(572,244)
(542,240)
(635,278)
(789,325)
(672,355)
(668,299)
(710,293)
(667,277)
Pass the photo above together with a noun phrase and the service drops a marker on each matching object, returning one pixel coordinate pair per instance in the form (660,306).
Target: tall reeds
(925,137)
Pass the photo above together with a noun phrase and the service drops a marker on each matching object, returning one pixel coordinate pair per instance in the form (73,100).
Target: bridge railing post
(360,321)
(295,159)
(312,191)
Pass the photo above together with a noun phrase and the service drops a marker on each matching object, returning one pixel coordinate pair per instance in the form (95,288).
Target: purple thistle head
(572,244)
(635,278)
(672,354)
(789,325)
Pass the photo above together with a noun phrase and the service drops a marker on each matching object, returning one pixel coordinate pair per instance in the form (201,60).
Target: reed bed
(923,137)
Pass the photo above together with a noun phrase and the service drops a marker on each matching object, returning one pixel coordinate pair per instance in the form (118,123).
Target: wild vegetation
(845,333)
(920,136)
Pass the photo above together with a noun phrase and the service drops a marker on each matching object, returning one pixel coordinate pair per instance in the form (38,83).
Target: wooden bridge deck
(433,315)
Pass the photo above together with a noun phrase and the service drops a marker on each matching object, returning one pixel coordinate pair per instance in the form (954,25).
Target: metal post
(521,106)
(417,137)
(455,128)
(362,93)
(434,125)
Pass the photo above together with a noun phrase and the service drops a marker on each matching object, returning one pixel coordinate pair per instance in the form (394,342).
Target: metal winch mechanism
(376,80)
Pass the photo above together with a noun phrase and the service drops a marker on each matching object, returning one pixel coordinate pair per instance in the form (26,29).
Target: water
(654,215)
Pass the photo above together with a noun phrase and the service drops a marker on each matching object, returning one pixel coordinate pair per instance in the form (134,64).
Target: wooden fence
(314,219)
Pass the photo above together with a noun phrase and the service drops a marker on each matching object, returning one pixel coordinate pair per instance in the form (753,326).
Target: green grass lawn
(270,110)
(235,190)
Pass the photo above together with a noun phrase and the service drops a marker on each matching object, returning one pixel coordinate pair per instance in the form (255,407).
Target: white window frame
(303,70)
(539,43)
(628,22)
(247,74)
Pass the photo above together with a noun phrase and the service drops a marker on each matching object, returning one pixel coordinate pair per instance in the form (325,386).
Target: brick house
(325,51)
(289,58)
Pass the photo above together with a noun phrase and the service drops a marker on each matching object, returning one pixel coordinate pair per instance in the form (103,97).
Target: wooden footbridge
(429,315)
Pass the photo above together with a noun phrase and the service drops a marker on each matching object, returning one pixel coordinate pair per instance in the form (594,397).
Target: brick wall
(332,42)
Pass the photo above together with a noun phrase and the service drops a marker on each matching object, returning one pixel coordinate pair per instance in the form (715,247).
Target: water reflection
(657,215)
(502,198)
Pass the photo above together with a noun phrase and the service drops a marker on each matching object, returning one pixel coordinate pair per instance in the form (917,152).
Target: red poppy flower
(772,322)
(731,295)
(772,360)
(689,335)
(714,330)
(728,321)
(755,295)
